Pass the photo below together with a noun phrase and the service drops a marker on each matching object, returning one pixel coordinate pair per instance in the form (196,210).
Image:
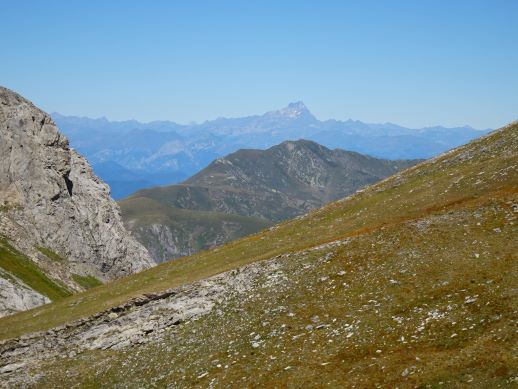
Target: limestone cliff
(53,209)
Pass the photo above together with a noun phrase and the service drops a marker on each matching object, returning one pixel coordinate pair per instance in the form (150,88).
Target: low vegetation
(408,305)
(15,263)
(409,283)
(49,254)
(169,232)
(86,282)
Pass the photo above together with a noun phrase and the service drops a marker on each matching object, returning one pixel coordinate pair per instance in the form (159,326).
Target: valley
(297,195)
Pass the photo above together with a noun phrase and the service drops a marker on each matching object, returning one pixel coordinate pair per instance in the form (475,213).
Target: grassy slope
(409,305)
(86,282)
(445,184)
(49,254)
(146,211)
(23,268)
(193,230)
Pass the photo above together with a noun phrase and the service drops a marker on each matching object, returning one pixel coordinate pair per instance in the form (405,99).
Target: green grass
(49,254)
(193,230)
(148,210)
(15,263)
(435,271)
(425,190)
(6,207)
(86,282)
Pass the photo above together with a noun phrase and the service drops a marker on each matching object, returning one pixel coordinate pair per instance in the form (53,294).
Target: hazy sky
(415,63)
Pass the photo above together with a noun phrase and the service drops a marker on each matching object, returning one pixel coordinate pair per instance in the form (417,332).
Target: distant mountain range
(130,155)
(245,192)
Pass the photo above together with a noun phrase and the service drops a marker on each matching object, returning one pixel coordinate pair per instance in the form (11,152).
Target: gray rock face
(49,197)
(15,296)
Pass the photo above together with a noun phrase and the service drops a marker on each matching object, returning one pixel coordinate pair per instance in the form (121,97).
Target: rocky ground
(139,321)
(363,310)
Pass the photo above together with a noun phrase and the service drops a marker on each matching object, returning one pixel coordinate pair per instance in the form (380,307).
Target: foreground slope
(59,228)
(410,282)
(245,192)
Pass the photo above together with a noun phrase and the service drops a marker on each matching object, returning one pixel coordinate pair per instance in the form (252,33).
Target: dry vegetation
(411,283)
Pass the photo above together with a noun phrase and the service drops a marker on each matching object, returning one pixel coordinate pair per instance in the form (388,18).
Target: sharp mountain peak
(293,110)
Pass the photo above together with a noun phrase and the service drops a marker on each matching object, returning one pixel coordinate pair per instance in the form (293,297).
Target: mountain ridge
(257,188)
(408,282)
(183,150)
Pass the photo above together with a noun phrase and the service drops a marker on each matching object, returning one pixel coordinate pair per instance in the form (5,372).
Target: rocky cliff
(54,212)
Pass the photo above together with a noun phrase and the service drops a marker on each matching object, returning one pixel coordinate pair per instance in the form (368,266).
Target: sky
(414,63)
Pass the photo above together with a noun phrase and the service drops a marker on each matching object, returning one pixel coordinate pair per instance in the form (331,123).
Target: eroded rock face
(15,296)
(50,194)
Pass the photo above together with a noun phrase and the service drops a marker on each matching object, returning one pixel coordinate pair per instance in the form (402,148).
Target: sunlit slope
(14,263)
(423,303)
(483,171)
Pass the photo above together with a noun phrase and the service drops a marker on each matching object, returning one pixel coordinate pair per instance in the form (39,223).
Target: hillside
(245,192)
(164,153)
(169,232)
(60,232)
(410,282)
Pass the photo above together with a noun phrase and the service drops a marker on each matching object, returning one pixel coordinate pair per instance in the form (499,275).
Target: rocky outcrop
(144,319)
(15,296)
(49,197)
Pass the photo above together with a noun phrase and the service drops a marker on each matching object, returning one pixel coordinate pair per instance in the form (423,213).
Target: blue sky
(415,63)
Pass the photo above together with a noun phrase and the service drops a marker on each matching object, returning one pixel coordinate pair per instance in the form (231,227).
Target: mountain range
(245,192)
(130,155)
(409,282)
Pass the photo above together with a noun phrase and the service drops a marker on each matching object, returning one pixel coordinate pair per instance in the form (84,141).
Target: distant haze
(130,155)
